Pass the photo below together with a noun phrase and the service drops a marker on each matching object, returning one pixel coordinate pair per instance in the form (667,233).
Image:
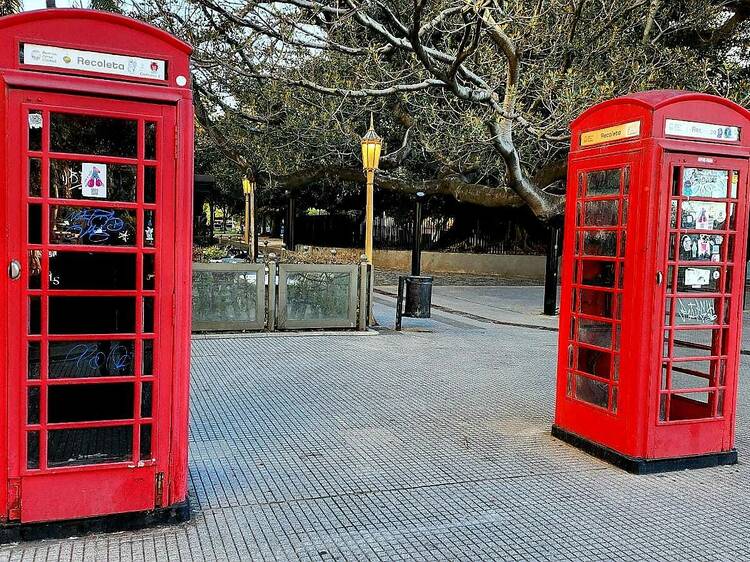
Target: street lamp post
(416,249)
(371,145)
(248,188)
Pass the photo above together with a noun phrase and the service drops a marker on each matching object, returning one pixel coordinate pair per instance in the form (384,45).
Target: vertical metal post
(400,301)
(551,274)
(252,241)
(247,218)
(364,291)
(416,249)
(370,214)
(271,324)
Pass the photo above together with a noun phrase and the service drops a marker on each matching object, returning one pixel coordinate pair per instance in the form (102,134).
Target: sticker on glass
(702,215)
(697,278)
(700,247)
(35,121)
(94,182)
(701,182)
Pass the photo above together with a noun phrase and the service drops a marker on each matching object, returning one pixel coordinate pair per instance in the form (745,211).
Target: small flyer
(697,278)
(94,180)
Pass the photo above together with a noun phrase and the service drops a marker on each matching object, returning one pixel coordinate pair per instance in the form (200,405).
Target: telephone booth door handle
(659,277)
(14,270)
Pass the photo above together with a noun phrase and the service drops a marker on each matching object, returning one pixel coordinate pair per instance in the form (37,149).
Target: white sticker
(35,121)
(94,61)
(94,180)
(696,277)
(696,130)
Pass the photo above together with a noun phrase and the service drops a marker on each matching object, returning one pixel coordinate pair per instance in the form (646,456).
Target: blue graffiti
(89,355)
(95,224)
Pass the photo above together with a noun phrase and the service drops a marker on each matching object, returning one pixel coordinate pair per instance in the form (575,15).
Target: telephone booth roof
(653,108)
(91,30)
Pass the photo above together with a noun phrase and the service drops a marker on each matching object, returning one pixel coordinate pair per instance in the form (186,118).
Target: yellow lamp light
(371,145)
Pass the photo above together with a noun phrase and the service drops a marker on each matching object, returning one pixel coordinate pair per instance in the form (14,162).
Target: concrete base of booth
(17,532)
(644,466)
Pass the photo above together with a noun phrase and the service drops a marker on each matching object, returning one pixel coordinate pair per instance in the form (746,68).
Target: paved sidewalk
(431,444)
(516,305)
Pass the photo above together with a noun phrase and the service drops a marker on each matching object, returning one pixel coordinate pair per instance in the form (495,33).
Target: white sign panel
(695,130)
(73,59)
(94,180)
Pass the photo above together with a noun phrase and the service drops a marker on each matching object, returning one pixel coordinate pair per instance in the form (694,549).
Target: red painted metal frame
(71,492)
(632,427)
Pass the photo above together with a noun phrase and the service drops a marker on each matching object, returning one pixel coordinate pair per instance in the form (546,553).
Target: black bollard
(553,267)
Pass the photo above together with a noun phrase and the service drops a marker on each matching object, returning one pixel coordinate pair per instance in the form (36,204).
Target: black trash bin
(414,297)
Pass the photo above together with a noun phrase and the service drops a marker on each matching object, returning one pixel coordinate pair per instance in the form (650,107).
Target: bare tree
(474,97)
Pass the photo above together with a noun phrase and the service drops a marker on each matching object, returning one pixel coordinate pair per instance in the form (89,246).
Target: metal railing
(253,297)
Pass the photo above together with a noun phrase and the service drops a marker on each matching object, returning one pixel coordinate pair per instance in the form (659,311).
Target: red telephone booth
(96,168)
(653,279)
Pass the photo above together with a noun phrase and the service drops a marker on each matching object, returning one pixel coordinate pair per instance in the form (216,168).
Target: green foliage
(255,83)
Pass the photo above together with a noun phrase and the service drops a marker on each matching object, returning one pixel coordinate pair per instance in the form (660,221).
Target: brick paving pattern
(432,444)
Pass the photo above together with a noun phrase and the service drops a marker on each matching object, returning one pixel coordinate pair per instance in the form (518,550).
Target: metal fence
(271,296)
(485,235)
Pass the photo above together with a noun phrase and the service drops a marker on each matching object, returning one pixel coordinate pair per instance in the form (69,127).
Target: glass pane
(147,362)
(703,215)
(72,447)
(149,229)
(692,374)
(149,271)
(149,185)
(90,270)
(595,333)
(591,391)
(601,213)
(698,279)
(35,224)
(33,405)
(92,315)
(145,442)
(600,243)
(89,134)
(35,315)
(34,365)
(599,303)
(150,145)
(598,273)
(32,450)
(90,402)
(318,296)
(224,296)
(148,315)
(696,342)
(91,359)
(690,406)
(594,362)
(35,177)
(603,182)
(87,225)
(701,182)
(80,180)
(696,311)
(701,247)
(146,399)
(35,269)
(36,126)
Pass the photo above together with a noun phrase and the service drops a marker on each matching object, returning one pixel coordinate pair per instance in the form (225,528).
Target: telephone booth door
(704,216)
(90,212)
